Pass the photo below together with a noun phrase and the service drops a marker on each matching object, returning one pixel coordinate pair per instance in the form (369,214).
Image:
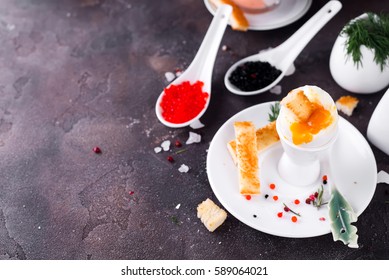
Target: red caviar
(181,103)
(248,197)
(272,186)
(294,219)
(296,201)
(325,178)
(275,198)
(279,214)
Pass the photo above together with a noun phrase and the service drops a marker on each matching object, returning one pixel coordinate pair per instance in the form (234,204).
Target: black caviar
(254,75)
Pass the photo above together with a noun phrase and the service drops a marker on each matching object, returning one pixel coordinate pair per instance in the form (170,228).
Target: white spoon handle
(297,42)
(202,65)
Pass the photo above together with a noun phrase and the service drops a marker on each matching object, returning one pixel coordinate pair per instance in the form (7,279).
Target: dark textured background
(79,74)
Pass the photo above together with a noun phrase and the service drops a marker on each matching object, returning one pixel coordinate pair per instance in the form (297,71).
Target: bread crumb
(299,104)
(346,104)
(211,215)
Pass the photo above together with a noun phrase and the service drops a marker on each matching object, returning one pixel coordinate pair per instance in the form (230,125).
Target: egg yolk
(302,132)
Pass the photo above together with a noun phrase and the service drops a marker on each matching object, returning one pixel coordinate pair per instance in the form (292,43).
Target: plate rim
(296,17)
(244,220)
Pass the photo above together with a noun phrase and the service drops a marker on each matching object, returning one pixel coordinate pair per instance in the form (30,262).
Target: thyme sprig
(373,32)
(319,201)
(180,151)
(287,207)
(275,111)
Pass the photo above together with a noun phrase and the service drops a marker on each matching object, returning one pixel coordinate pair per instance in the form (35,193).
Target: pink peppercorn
(170,159)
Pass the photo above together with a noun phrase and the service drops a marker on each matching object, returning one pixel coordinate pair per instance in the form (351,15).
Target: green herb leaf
(341,216)
(175,220)
(372,32)
(275,111)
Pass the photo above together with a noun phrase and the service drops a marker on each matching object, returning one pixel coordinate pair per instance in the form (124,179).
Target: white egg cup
(300,166)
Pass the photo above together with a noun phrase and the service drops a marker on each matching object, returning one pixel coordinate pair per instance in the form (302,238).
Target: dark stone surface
(79,74)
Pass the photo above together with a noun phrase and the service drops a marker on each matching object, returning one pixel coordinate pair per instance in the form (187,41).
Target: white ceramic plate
(285,13)
(349,164)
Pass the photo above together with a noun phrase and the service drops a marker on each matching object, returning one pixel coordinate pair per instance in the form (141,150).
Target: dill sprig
(373,32)
(275,111)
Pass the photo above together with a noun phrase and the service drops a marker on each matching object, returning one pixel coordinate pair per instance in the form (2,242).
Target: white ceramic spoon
(202,65)
(282,57)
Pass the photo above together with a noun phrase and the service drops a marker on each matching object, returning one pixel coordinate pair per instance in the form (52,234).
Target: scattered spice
(317,198)
(183,168)
(193,138)
(322,219)
(181,151)
(169,76)
(287,209)
(175,220)
(196,124)
(248,197)
(254,75)
(276,90)
(165,145)
(177,144)
(254,216)
(97,150)
(279,214)
(181,103)
(170,159)
(272,186)
(131,192)
(294,219)
(178,71)
(266,196)
(275,198)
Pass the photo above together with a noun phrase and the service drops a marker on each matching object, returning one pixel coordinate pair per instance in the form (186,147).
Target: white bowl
(366,78)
